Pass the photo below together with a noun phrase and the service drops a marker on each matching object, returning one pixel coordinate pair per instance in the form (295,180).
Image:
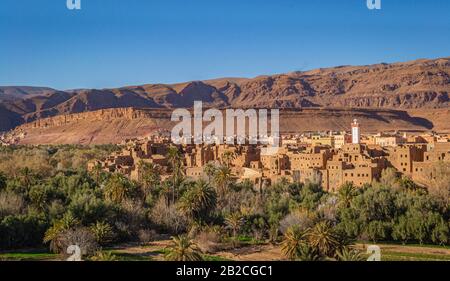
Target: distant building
(356,134)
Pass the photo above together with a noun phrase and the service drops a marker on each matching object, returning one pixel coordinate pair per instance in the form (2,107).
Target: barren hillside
(116,125)
(421,84)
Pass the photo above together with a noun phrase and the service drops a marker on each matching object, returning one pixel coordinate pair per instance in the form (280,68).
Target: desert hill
(115,125)
(421,84)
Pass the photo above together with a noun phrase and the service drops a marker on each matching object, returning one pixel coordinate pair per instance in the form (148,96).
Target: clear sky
(111,43)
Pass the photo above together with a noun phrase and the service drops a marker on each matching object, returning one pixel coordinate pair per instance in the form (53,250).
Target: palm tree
(176,164)
(96,171)
(294,238)
(149,175)
(234,222)
(307,253)
(182,249)
(228,157)
(349,254)
(199,200)
(53,234)
(323,237)
(222,179)
(210,170)
(117,188)
(26,177)
(346,194)
(102,232)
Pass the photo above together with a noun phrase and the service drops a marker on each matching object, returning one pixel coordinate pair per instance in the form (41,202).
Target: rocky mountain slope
(115,125)
(421,84)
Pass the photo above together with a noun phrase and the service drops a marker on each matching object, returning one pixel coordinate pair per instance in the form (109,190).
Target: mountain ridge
(418,84)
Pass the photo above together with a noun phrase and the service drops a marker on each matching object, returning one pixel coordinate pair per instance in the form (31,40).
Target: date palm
(149,175)
(234,222)
(96,171)
(210,170)
(117,188)
(228,157)
(293,240)
(182,249)
(199,200)
(308,253)
(323,238)
(349,254)
(222,179)
(176,164)
(346,194)
(102,232)
(53,234)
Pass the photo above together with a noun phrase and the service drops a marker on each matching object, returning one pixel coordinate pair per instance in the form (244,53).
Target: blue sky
(130,42)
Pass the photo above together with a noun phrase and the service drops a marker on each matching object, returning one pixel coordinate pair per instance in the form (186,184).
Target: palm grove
(47,198)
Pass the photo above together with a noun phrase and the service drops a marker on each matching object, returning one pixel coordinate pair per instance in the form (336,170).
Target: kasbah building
(331,159)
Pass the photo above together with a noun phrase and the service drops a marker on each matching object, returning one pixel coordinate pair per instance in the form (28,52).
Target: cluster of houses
(331,159)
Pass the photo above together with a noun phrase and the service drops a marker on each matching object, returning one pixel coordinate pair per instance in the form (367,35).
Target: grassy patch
(131,257)
(214,258)
(399,256)
(406,245)
(39,256)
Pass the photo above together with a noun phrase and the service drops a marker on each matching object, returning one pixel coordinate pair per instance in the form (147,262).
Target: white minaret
(355,132)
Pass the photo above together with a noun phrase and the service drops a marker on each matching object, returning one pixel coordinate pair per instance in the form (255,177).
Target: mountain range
(416,85)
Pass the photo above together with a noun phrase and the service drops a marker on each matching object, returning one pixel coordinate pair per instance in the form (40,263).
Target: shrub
(146,236)
(104,256)
(82,237)
(168,217)
(22,231)
(301,219)
(208,241)
(10,204)
(103,233)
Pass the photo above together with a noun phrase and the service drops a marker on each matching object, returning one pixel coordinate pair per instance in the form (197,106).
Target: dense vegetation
(47,197)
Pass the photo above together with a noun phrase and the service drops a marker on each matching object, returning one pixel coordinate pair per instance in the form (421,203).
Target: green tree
(440,234)
(103,233)
(176,164)
(198,201)
(222,179)
(97,171)
(53,234)
(346,194)
(210,170)
(228,157)
(149,175)
(117,188)
(234,222)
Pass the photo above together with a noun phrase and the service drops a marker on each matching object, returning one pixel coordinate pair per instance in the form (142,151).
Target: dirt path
(266,252)
(254,253)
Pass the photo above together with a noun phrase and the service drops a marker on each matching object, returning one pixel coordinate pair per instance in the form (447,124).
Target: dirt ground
(268,252)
